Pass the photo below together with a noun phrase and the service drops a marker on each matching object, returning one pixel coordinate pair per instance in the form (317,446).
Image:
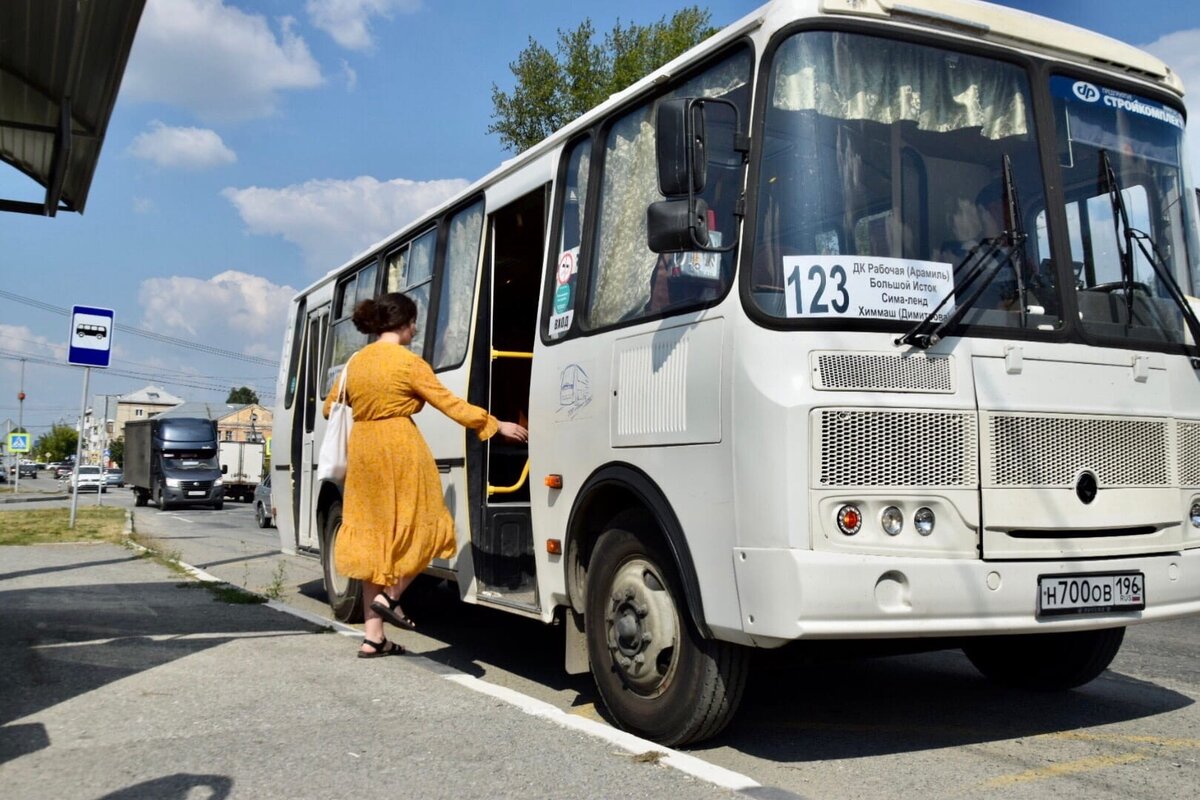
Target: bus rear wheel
(345,594)
(658,677)
(1045,661)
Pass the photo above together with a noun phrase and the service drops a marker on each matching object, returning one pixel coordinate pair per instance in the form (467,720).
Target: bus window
(410,271)
(458,287)
(345,337)
(563,290)
(628,281)
(294,360)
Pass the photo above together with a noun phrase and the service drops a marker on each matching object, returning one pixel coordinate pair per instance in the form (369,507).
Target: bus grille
(883,372)
(1052,450)
(1189,454)
(896,448)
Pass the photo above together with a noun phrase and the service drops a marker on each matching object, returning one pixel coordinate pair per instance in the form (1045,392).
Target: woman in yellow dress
(394,520)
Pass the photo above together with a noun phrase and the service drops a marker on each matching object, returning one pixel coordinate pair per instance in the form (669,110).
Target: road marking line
(171,637)
(1066,768)
(1130,738)
(688,764)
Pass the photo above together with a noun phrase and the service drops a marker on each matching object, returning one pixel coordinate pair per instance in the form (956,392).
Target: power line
(127,362)
(157,337)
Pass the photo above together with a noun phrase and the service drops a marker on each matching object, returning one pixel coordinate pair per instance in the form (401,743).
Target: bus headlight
(892,520)
(1195,514)
(923,521)
(849,519)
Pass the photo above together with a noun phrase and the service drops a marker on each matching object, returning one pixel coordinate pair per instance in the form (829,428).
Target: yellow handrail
(510,354)
(491,490)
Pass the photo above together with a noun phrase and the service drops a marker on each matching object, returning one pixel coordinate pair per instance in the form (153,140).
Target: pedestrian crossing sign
(18,443)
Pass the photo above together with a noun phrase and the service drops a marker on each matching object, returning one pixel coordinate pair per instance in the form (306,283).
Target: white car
(90,480)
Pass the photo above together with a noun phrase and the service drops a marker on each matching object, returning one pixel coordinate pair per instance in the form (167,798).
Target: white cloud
(1181,51)
(349,21)
(188,148)
(231,311)
(331,220)
(216,61)
(144,205)
(20,339)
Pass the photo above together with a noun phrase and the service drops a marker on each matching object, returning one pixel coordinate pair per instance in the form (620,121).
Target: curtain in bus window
(620,285)
(939,91)
(458,288)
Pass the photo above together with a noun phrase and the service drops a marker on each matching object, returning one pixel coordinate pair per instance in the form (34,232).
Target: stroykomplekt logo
(1085,91)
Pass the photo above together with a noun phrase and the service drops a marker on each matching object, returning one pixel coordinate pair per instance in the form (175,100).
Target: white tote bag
(331,461)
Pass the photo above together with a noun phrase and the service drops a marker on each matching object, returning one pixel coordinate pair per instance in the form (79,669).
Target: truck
(173,461)
(242,468)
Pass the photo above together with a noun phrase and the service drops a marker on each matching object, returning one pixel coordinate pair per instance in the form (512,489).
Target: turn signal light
(554,481)
(554,547)
(849,519)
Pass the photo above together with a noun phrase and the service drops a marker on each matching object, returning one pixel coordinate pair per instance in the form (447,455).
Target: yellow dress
(394,520)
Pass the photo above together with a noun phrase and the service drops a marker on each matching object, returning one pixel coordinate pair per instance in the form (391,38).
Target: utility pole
(20,426)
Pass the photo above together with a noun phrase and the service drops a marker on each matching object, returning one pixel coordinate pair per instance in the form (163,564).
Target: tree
(243,394)
(58,443)
(116,451)
(553,89)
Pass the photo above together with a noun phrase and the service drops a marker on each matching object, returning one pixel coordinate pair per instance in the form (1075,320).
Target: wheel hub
(643,628)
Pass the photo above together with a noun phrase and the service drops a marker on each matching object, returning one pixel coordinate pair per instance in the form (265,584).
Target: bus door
(503,541)
(308,411)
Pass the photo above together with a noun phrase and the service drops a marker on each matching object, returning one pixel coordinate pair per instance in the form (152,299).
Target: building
(236,422)
(142,404)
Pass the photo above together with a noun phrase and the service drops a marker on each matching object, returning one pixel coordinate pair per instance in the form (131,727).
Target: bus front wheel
(1045,661)
(657,676)
(345,594)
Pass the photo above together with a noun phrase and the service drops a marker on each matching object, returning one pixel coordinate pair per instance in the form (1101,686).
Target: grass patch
(225,592)
(50,525)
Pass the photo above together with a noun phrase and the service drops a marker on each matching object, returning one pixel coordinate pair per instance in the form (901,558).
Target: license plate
(197,494)
(1091,593)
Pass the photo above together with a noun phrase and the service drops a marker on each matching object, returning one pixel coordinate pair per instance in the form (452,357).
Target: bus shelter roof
(61,64)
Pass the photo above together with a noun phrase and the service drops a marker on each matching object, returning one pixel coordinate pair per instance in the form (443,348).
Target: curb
(41,498)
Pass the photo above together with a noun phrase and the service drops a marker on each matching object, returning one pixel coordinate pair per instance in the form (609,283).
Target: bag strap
(345,378)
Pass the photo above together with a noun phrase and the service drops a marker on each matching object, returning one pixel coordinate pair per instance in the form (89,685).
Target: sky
(257,144)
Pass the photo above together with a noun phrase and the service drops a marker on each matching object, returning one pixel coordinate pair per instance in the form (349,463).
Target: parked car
(90,480)
(262,503)
(28,470)
(63,470)
(115,477)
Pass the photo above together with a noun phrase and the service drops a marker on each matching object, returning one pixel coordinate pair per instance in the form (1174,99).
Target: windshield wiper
(983,270)
(1127,234)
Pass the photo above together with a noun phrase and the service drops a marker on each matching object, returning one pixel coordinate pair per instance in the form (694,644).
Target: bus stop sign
(90,337)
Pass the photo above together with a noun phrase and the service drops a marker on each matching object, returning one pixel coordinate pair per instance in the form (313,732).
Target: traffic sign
(18,443)
(90,336)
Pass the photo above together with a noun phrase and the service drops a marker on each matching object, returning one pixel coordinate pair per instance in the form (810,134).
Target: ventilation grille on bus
(883,372)
(1189,454)
(1052,450)
(896,448)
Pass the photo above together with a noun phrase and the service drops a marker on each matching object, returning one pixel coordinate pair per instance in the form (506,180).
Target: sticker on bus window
(866,287)
(563,297)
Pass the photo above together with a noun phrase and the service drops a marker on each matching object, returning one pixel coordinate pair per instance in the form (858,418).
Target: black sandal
(384,648)
(388,612)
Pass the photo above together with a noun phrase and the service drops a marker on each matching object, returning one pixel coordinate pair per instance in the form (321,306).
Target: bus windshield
(882,188)
(1126,208)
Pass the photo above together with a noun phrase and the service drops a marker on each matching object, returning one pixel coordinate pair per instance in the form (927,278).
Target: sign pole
(87,374)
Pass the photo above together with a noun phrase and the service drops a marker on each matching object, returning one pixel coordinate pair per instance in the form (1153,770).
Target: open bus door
(501,531)
(307,410)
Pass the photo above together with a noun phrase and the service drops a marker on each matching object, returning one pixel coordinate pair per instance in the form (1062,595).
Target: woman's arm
(427,386)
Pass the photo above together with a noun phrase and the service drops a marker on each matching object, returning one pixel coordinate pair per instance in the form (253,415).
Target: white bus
(857,321)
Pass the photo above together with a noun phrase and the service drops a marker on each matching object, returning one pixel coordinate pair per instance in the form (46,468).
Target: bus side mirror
(676,226)
(679,143)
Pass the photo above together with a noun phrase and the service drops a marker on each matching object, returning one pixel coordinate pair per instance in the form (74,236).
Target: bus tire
(344,594)
(657,676)
(1045,661)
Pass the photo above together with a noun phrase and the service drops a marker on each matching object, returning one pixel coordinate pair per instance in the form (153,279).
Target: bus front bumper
(793,594)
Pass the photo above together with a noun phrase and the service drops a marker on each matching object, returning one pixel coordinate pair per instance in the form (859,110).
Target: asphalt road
(819,723)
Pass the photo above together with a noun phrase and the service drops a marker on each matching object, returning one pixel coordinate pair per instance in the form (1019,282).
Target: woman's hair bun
(366,317)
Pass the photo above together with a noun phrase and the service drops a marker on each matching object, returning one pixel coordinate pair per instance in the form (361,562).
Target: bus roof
(973,18)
